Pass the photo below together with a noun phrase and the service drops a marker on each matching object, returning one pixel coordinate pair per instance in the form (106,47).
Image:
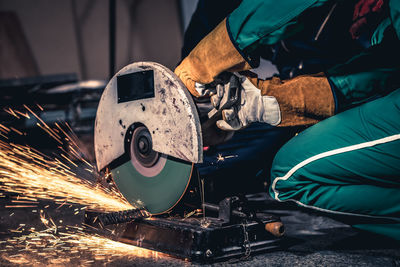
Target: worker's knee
(282,165)
(291,178)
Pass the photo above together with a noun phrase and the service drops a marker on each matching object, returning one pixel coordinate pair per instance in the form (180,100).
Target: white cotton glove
(251,107)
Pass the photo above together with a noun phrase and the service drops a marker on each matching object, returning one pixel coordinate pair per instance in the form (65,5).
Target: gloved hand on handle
(304,100)
(250,107)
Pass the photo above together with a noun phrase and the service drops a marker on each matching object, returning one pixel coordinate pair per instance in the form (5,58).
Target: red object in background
(366,13)
(364,7)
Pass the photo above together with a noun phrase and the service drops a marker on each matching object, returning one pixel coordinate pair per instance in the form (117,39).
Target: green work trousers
(348,166)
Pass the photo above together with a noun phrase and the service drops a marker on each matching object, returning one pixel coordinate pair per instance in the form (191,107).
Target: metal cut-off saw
(148,136)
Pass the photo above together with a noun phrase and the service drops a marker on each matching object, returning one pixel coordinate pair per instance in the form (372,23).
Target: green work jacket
(372,73)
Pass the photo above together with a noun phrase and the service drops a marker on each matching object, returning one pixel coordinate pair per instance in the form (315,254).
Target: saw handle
(229,84)
(230,95)
(275,228)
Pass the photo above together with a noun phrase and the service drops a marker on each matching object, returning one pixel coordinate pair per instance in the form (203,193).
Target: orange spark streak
(24,201)
(45,179)
(63,245)
(20,206)
(2,135)
(11,112)
(15,130)
(40,107)
(39,119)
(70,161)
(49,132)
(32,174)
(4,127)
(70,247)
(26,115)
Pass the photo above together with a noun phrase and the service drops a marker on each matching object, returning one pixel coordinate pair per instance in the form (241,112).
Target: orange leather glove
(213,55)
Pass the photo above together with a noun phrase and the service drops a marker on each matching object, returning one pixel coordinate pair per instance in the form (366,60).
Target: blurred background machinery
(58,55)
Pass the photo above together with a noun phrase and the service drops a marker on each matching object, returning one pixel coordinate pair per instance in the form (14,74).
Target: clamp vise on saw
(149,136)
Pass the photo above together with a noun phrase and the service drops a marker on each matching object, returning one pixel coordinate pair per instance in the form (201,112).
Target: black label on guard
(135,86)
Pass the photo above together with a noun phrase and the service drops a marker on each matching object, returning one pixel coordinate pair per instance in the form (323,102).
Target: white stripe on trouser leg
(327,154)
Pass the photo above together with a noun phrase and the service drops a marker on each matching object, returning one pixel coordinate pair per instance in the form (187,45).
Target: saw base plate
(217,237)
(188,239)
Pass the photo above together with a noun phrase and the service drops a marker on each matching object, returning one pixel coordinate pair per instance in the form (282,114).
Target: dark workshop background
(57,54)
(44,37)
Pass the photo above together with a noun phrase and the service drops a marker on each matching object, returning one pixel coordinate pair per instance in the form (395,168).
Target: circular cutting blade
(158,193)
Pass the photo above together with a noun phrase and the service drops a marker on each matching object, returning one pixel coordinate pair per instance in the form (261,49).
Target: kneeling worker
(348,162)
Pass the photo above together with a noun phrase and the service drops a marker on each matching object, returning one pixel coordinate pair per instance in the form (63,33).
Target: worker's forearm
(260,22)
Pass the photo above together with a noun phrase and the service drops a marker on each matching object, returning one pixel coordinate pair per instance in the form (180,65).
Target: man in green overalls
(348,163)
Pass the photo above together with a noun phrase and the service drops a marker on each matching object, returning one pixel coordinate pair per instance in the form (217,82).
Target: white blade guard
(147,93)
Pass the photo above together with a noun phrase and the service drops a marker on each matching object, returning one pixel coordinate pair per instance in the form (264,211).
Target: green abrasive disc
(157,194)
(151,180)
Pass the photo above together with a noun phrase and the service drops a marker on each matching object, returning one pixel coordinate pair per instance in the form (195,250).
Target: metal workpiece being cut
(148,133)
